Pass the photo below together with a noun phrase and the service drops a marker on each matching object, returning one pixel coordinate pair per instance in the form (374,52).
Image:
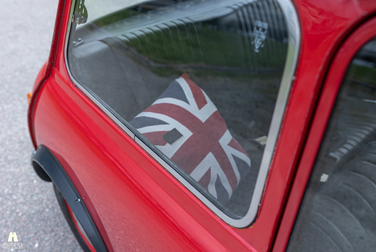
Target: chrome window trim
(294,38)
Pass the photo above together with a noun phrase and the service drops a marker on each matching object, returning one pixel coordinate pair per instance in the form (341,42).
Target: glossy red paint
(136,203)
(332,84)
(120,179)
(109,162)
(44,73)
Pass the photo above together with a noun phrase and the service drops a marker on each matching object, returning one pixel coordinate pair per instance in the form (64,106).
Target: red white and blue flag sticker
(186,126)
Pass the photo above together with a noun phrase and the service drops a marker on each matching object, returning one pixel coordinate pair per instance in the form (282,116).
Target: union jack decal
(186,126)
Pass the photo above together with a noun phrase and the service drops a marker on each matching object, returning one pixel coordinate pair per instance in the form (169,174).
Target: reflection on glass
(218,63)
(339,208)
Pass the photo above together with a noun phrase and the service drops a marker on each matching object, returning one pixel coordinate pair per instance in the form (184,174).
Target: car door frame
(332,84)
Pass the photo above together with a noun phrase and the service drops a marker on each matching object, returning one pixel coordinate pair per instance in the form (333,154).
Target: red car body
(136,204)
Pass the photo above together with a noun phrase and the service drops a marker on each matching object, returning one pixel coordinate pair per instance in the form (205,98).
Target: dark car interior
(236,54)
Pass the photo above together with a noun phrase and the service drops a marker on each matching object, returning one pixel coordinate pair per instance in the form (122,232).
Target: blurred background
(27,204)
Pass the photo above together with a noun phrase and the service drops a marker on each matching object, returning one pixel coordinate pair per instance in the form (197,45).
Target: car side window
(338,212)
(196,82)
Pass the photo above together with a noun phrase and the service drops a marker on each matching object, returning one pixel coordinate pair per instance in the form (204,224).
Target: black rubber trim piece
(47,161)
(68,218)
(40,172)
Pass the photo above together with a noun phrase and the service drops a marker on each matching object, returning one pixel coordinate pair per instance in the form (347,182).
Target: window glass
(196,81)
(338,212)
